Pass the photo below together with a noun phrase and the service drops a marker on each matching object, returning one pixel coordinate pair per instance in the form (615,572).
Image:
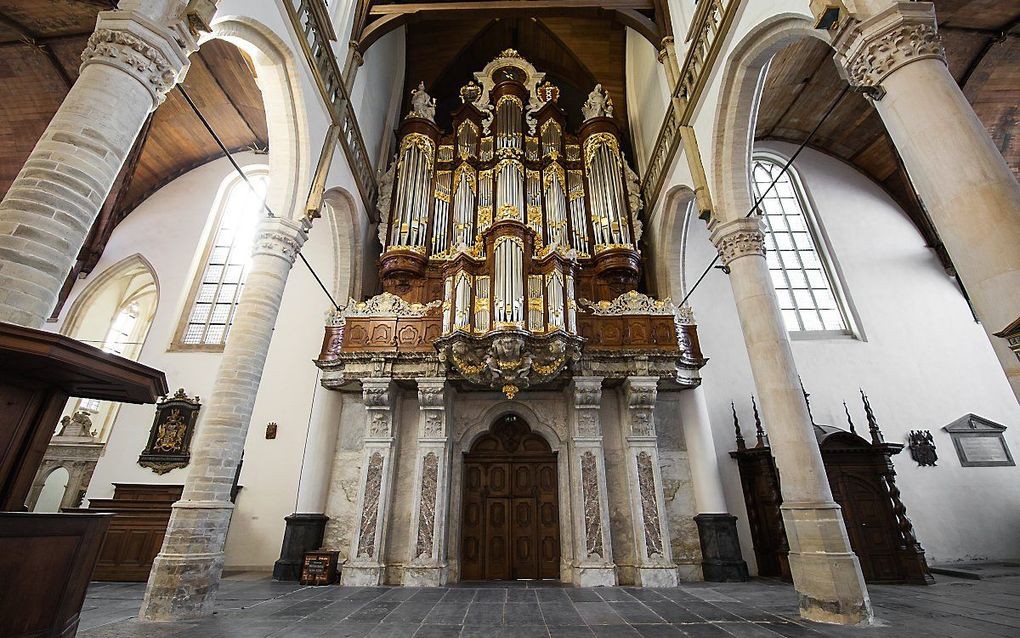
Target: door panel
(497,537)
(525,557)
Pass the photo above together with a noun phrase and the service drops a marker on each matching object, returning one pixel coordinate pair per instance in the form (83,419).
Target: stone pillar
(307,525)
(970,192)
(430,515)
(593,547)
(186,574)
(825,571)
(717,529)
(130,63)
(368,544)
(655,565)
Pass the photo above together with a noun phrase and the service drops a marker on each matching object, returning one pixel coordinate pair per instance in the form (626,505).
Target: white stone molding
(593,558)
(868,52)
(429,520)
(655,565)
(738,238)
(280,237)
(154,54)
(365,567)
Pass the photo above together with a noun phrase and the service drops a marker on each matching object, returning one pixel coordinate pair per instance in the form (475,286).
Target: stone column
(825,571)
(368,544)
(430,516)
(970,192)
(593,547)
(655,565)
(306,527)
(186,574)
(717,529)
(130,63)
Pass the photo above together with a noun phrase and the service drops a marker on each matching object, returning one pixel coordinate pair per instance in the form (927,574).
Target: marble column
(717,528)
(825,570)
(593,547)
(186,574)
(130,63)
(430,514)
(365,566)
(655,567)
(306,527)
(894,52)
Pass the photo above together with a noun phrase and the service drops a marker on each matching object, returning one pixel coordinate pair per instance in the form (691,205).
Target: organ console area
(509,241)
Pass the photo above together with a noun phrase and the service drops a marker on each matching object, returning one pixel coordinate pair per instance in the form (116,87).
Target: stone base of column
(828,579)
(425,575)
(720,548)
(595,575)
(362,575)
(658,576)
(182,586)
(304,533)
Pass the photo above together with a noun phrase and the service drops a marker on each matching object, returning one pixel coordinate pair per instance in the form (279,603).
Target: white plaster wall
(376,93)
(925,363)
(647,95)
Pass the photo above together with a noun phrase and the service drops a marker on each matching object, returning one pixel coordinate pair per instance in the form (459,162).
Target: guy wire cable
(265,204)
(772,185)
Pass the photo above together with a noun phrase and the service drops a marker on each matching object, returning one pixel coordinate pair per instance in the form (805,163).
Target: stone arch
(463,441)
(278,77)
(51,493)
(132,265)
(347,234)
(670,250)
(738,107)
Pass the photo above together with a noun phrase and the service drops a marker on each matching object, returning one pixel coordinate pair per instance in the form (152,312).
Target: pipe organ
(498,231)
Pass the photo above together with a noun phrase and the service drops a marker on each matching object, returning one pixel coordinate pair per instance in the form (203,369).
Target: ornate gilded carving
(649,505)
(630,303)
(169,441)
(388,305)
(427,511)
(370,508)
(592,508)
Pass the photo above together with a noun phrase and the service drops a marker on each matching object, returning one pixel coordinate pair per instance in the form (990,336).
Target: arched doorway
(510,524)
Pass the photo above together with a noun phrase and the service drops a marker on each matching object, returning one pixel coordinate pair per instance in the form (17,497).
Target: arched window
(810,295)
(217,288)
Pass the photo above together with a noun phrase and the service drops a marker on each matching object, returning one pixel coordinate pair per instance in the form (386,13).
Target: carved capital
(280,237)
(739,238)
(587,392)
(376,393)
(868,52)
(640,393)
(155,54)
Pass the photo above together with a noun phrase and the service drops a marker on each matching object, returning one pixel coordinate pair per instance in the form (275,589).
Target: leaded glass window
(218,289)
(809,296)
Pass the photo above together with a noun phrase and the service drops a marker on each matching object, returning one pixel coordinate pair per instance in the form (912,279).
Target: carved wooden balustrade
(310,20)
(704,41)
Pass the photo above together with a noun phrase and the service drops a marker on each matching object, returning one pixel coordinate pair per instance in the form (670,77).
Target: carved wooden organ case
(511,247)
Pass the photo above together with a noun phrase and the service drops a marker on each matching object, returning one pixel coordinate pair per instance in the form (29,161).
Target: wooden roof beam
(527,6)
(32,39)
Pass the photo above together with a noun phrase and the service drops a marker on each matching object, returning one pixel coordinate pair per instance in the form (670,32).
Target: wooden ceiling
(40,47)
(982,40)
(575,54)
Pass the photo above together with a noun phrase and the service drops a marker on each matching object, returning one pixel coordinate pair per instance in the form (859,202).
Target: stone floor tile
(458,595)
(529,595)
(491,596)
(484,614)
(635,613)
(614,594)
(445,613)
(580,595)
(658,631)
(598,614)
(437,631)
(560,614)
(614,631)
(517,614)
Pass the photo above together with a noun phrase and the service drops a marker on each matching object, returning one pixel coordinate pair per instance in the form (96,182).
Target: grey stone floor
(249,608)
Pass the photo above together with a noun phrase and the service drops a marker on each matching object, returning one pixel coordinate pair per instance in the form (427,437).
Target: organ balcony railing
(704,42)
(310,20)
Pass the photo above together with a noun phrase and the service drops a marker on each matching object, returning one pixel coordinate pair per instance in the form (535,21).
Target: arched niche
(53,489)
(349,240)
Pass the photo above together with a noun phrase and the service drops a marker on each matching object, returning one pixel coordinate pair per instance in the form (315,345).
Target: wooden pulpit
(54,554)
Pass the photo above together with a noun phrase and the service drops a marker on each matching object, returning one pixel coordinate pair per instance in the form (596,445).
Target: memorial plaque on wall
(979,442)
(319,568)
(169,445)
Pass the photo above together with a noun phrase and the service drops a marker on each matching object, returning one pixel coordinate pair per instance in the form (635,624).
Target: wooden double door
(510,519)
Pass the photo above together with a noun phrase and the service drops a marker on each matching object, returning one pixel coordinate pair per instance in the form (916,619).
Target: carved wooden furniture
(54,552)
(862,478)
(511,521)
(141,514)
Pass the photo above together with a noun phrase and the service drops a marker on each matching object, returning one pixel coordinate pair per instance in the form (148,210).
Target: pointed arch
(669,243)
(131,266)
(348,235)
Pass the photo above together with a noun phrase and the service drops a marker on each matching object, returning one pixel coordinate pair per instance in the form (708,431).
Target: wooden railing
(704,40)
(310,19)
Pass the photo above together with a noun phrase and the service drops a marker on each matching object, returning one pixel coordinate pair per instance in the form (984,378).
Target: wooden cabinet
(141,514)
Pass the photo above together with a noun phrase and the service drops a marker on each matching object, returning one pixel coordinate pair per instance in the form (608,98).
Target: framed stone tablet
(979,442)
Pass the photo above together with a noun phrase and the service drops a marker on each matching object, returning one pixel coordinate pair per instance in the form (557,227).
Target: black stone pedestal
(303,534)
(720,548)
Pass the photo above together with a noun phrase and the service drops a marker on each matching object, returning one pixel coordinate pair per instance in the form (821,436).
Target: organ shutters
(511,510)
